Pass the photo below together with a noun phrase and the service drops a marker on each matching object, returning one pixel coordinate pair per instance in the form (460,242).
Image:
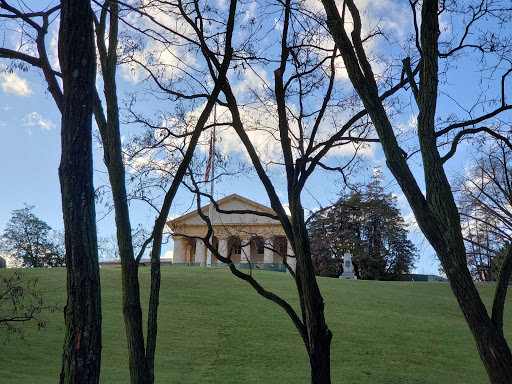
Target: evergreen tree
(368,225)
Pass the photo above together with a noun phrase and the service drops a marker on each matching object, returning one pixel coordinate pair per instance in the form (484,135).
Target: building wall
(239,236)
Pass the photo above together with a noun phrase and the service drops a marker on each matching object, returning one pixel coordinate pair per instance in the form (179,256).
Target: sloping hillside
(213,328)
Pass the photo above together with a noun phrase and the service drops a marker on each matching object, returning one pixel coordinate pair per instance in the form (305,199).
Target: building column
(200,252)
(223,248)
(177,253)
(268,253)
(188,253)
(245,256)
(292,261)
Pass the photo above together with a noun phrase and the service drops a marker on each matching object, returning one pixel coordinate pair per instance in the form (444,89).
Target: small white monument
(348,268)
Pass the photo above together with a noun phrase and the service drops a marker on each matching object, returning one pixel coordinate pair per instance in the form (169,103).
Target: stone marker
(348,268)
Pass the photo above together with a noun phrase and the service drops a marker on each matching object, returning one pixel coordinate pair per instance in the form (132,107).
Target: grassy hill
(213,328)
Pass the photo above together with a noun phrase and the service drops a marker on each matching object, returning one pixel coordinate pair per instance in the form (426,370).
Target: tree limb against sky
(315,96)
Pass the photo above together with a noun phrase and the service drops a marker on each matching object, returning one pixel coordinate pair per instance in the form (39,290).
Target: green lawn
(213,328)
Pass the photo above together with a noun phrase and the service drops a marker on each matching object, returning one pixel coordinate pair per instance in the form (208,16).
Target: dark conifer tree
(368,225)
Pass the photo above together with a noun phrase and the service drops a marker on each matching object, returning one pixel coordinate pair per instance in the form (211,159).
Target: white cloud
(255,81)
(401,200)
(386,20)
(261,127)
(166,60)
(35,119)
(366,150)
(53,53)
(260,119)
(12,83)
(410,221)
(147,161)
(249,10)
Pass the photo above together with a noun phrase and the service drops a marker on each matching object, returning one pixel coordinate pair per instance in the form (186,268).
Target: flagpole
(210,214)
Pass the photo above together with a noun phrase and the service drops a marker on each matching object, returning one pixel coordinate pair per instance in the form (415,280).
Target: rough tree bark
(501,289)
(82,346)
(313,328)
(141,360)
(319,336)
(437,214)
(111,138)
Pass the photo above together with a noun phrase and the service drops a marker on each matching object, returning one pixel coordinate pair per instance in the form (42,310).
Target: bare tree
(141,358)
(484,194)
(299,114)
(21,302)
(436,212)
(141,355)
(485,198)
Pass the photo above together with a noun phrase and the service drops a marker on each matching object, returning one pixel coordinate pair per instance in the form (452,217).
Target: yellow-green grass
(213,328)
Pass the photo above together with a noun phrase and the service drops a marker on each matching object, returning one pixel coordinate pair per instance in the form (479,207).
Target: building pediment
(233,210)
(243,230)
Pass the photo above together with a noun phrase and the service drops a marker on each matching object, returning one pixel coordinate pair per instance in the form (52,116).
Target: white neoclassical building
(248,238)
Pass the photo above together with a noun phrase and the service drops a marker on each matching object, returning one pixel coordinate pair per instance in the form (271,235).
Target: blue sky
(29,149)
(30,146)
(30,155)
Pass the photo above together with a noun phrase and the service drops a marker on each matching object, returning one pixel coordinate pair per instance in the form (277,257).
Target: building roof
(232,202)
(237,214)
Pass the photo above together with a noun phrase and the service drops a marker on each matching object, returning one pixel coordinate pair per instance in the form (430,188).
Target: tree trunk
(441,225)
(132,311)
(154,298)
(500,294)
(491,344)
(82,346)
(132,314)
(318,343)
(111,138)
(492,347)
(320,360)
(436,214)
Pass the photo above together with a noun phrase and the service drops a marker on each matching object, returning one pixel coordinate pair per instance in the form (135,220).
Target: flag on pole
(209,164)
